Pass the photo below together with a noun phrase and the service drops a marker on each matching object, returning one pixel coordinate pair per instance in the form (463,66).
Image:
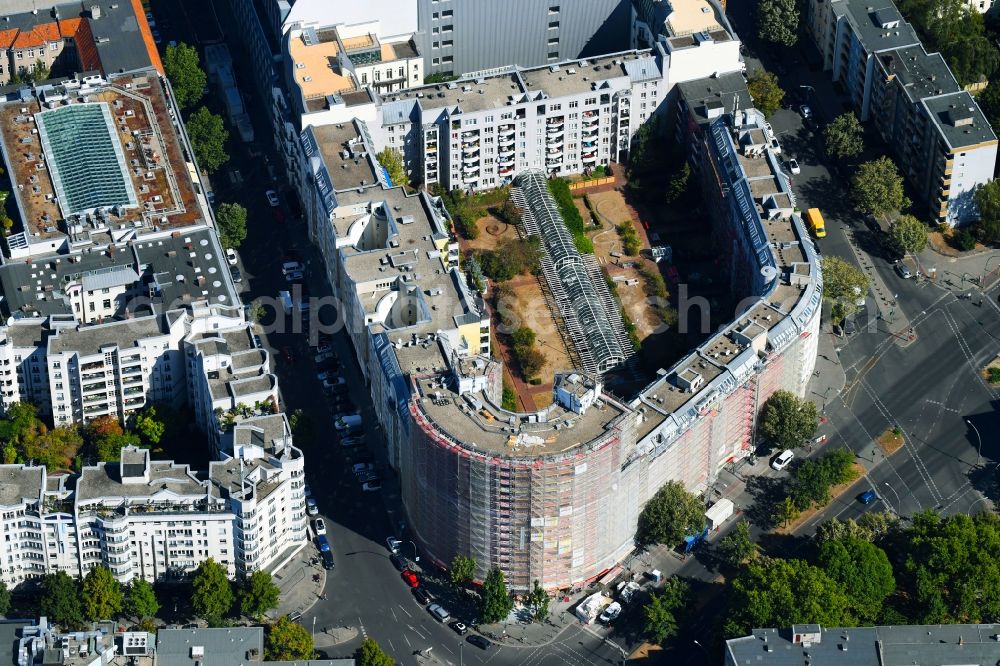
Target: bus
(816,223)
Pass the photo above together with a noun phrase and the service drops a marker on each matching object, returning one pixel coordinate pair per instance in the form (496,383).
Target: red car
(410,578)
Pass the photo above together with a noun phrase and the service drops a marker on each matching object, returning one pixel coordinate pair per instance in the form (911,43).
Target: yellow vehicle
(816,223)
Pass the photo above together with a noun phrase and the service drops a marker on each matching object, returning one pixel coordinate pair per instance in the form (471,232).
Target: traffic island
(991,373)
(835,492)
(890,441)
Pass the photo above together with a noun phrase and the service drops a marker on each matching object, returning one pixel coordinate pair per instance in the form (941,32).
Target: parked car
(480,642)
(793,166)
(903,270)
(361,468)
(237,275)
(781,461)
(320,526)
(322,544)
(311,507)
(272,198)
(775,146)
(325,356)
(372,485)
(257,342)
(610,613)
(294,276)
(398,561)
(330,382)
(439,612)
(422,595)
(410,578)
(393,543)
(459,628)
(326,375)
(805,111)
(868,497)
(291,265)
(327,559)
(231,256)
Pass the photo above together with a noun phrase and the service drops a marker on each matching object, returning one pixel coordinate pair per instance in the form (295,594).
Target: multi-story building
(943,142)
(157,520)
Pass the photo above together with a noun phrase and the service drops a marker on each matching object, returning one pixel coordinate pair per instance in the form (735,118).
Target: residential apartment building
(158,520)
(942,141)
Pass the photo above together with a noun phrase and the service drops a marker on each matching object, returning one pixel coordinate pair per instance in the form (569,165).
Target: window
(574,104)
(446,43)
(447,14)
(448,60)
(554,41)
(364,77)
(107,303)
(402,72)
(436,45)
(54,46)
(447,28)
(435,16)
(554,9)
(553,25)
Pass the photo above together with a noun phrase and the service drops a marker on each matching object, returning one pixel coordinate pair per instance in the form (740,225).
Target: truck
(290,305)
(816,223)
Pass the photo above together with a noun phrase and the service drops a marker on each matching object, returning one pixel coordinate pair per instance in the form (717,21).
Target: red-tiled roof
(147,36)
(86,51)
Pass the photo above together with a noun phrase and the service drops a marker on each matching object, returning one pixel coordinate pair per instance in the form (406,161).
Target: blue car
(868,497)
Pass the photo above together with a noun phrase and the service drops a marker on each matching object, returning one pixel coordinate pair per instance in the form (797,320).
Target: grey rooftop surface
(866,18)
(922,74)
(18,483)
(234,646)
(470,428)
(927,645)
(959,119)
(347,172)
(103,481)
(728,89)
(90,340)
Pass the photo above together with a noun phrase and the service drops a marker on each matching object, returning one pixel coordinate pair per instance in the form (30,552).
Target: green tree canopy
(988,202)
(959,33)
(989,102)
(787,420)
(670,515)
(844,136)
(140,600)
(392,161)
(843,285)
(288,641)
(765,91)
(950,568)
(812,478)
(4,599)
(60,600)
(779,593)
(863,571)
(258,594)
(211,591)
(660,613)
(208,136)
(495,603)
(148,426)
(778,21)
(231,219)
(371,654)
(538,601)
(101,594)
(185,74)
(871,526)
(908,234)
(878,187)
(738,547)
(463,570)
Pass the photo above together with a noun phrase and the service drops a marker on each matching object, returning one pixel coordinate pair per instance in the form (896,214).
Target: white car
(793,166)
(805,111)
(294,276)
(781,462)
(311,507)
(610,613)
(320,526)
(231,256)
(372,485)
(290,266)
(393,544)
(272,198)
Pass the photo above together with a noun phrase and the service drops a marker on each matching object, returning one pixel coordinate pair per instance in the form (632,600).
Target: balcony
(590,158)
(506,160)
(471,179)
(554,162)
(506,170)
(506,141)
(470,145)
(556,130)
(471,161)
(555,121)
(471,150)
(99,386)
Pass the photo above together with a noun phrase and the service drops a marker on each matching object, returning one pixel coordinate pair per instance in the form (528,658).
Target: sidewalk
(300,583)
(828,379)
(958,273)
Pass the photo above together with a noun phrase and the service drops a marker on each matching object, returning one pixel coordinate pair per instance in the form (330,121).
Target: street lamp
(979,453)
(416,558)
(898,503)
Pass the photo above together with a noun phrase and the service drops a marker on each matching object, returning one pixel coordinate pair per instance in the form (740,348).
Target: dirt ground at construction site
(491,232)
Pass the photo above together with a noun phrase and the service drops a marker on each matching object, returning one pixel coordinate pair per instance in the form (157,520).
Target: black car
(422,595)
(327,559)
(398,561)
(237,275)
(480,642)
(459,627)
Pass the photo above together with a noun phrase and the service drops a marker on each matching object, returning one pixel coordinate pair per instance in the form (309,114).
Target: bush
(509,399)
(963,240)
(993,374)
(630,239)
(513,257)
(523,337)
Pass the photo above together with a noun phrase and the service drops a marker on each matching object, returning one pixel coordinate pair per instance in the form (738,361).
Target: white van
(438,611)
(290,267)
(781,462)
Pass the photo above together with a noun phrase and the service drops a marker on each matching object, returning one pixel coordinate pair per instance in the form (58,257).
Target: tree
(871,526)
(495,603)
(778,21)
(258,595)
(211,591)
(878,187)
(185,74)
(392,161)
(863,571)
(908,234)
(843,285)
(538,600)
(989,102)
(812,479)
(149,427)
(670,515)
(208,137)
(288,641)
(677,187)
(786,511)
(4,599)
(231,221)
(660,613)
(60,600)
(737,547)
(765,91)
(844,137)
(463,570)
(371,654)
(787,420)
(140,600)
(773,592)
(101,595)
(988,202)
